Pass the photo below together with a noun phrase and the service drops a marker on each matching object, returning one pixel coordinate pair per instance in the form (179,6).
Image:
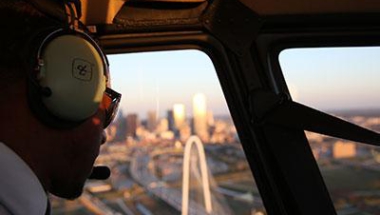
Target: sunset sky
(158,80)
(330,79)
(333,78)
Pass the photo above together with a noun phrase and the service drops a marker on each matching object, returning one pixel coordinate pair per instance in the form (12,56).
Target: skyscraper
(163,125)
(170,117)
(152,121)
(132,124)
(179,115)
(121,123)
(210,118)
(200,116)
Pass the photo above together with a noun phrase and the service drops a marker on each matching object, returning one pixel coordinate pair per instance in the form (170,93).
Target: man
(37,158)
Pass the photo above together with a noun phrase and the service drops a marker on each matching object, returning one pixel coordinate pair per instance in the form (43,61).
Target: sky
(324,78)
(158,80)
(333,78)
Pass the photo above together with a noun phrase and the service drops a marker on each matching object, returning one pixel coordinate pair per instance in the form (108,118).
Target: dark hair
(19,23)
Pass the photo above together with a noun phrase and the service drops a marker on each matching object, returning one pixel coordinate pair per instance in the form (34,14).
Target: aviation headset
(69,74)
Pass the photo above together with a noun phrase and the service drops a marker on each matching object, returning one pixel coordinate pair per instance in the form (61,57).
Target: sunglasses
(112,103)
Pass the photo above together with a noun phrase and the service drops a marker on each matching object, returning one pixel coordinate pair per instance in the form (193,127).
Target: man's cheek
(96,121)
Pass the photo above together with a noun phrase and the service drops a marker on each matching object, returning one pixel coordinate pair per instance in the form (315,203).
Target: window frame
(285,175)
(271,44)
(230,84)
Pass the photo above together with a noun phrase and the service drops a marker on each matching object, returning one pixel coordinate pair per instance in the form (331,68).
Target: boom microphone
(100,173)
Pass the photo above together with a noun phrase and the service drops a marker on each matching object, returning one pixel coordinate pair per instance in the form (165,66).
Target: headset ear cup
(69,79)
(42,113)
(74,71)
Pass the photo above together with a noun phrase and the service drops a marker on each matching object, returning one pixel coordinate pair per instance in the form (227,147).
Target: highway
(171,196)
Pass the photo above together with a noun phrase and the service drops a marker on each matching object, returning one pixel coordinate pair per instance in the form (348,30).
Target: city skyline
(155,165)
(158,80)
(181,111)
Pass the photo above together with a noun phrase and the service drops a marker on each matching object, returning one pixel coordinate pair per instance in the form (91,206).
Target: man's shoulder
(21,191)
(4,210)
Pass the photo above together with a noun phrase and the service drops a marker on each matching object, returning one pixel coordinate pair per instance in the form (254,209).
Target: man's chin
(69,192)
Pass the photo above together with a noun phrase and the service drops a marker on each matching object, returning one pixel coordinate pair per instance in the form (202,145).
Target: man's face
(79,149)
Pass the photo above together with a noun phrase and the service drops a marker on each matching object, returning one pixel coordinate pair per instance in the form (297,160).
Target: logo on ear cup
(82,69)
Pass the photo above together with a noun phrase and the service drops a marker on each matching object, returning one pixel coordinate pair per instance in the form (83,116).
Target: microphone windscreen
(100,173)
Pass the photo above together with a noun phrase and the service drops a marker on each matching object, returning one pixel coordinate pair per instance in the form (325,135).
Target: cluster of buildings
(152,148)
(325,147)
(175,125)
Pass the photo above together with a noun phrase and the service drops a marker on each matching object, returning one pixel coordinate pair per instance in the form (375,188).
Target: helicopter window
(157,164)
(342,82)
